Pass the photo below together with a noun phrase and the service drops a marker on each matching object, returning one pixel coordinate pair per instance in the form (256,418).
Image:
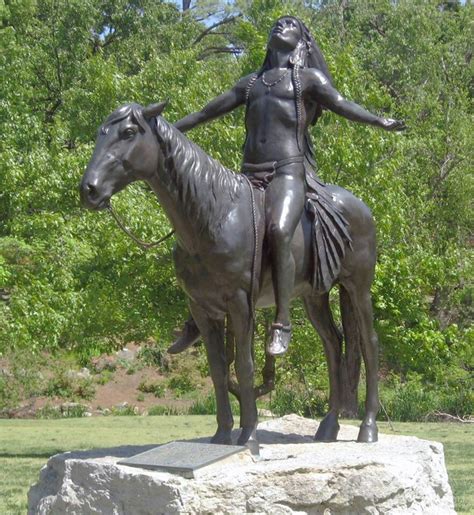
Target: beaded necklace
(271,84)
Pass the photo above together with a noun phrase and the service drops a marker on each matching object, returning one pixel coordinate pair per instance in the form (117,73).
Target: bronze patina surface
(241,246)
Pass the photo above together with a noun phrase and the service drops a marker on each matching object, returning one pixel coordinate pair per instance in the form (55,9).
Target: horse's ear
(153,110)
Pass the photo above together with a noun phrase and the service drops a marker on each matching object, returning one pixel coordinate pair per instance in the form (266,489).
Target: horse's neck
(195,190)
(185,232)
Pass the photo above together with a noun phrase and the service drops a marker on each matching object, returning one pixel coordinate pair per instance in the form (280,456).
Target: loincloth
(262,174)
(330,229)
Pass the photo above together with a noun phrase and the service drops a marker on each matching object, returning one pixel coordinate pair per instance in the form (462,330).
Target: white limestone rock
(397,475)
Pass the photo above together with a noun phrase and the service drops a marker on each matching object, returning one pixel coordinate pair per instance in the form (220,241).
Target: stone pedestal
(397,475)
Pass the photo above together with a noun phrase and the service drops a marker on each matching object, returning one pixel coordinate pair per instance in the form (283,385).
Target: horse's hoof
(246,434)
(253,447)
(328,434)
(328,429)
(368,433)
(248,437)
(222,438)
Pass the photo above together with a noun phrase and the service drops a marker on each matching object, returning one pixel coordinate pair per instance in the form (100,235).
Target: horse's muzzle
(91,197)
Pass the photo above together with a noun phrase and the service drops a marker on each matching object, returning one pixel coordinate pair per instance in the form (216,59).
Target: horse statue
(223,266)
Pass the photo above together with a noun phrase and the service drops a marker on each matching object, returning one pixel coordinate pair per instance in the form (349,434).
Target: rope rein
(142,244)
(253,275)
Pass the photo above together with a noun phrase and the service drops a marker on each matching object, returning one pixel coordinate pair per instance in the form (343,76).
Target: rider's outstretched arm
(324,93)
(219,106)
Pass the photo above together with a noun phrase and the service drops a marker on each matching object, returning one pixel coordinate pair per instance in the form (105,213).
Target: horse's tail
(351,358)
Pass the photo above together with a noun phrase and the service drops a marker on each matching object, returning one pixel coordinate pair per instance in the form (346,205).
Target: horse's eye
(128,133)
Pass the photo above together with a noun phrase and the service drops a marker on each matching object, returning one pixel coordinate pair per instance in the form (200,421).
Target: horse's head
(125,151)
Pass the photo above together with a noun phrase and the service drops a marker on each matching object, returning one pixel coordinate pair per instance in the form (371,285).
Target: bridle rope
(142,244)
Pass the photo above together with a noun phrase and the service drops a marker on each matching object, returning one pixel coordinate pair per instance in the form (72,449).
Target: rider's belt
(261,174)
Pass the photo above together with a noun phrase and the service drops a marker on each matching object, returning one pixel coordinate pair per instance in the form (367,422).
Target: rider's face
(286,34)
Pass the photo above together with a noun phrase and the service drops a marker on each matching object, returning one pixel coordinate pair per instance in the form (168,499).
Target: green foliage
(156,388)
(207,406)
(104,377)
(181,384)
(153,356)
(66,411)
(125,410)
(416,400)
(295,400)
(71,280)
(19,380)
(160,410)
(67,386)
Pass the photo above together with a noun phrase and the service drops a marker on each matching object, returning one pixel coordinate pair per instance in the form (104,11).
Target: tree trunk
(186,5)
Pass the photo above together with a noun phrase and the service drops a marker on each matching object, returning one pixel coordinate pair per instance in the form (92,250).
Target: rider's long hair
(307,54)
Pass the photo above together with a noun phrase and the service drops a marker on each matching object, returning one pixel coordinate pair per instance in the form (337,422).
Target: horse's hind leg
(242,323)
(319,313)
(362,303)
(212,332)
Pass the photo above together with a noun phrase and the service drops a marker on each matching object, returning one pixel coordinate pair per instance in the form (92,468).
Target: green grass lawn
(27,444)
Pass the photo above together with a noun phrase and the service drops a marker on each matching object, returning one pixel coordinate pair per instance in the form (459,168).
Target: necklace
(271,84)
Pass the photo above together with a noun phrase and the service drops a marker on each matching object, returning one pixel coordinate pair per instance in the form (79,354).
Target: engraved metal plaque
(183,458)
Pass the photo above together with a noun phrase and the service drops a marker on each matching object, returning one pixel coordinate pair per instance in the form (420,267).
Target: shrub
(163,410)
(67,387)
(295,400)
(72,410)
(153,356)
(157,389)
(181,384)
(459,402)
(207,406)
(49,412)
(124,411)
(104,377)
(414,400)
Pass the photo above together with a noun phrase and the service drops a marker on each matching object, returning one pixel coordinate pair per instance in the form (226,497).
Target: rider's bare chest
(270,87)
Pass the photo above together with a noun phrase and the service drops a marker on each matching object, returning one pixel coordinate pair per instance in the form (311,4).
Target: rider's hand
(392,125)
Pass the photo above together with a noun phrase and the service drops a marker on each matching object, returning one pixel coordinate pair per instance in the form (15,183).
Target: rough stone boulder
(397,475)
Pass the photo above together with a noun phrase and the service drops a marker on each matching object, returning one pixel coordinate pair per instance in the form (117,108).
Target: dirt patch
(121,382)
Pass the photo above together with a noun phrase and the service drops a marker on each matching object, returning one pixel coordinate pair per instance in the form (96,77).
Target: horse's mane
(204,186)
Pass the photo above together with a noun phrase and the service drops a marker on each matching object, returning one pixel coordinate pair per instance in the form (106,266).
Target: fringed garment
(330,227)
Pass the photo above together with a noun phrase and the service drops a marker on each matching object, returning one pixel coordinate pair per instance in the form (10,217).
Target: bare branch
(209,30)
(379,30)
(447,416)
(219,50)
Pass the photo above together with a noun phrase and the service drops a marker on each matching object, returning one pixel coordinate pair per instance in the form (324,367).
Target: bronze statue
(282,99)
(269,234)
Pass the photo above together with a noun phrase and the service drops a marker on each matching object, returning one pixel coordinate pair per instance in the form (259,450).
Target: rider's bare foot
(280,339)
(189,336)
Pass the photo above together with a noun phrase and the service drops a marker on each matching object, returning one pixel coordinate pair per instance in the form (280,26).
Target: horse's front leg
(212,331)
(242,322)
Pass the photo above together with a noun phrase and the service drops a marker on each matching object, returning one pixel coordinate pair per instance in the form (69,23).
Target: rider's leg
(189,336)
(284,203)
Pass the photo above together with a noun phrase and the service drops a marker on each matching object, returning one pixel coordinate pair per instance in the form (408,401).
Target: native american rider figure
(283,98)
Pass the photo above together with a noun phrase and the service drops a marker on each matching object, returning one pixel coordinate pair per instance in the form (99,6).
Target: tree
(70,279)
